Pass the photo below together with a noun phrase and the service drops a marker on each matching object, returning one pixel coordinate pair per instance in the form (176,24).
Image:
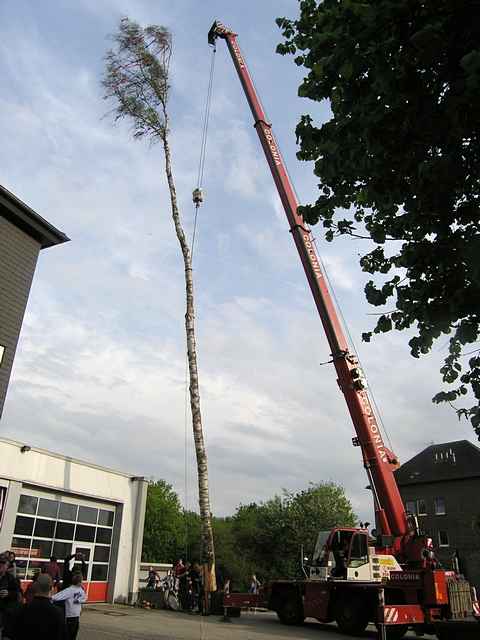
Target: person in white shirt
(73,597)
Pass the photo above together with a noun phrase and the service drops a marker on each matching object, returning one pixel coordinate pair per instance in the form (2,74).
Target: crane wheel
(351,616)
(290,611)
(396,632)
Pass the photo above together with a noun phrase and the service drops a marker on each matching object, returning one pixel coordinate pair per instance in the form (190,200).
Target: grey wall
(18,258)
(461,521)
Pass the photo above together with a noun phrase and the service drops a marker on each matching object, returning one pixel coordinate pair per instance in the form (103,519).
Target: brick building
(441,485)
(23,233)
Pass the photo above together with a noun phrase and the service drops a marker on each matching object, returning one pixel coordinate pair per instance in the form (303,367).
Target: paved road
(104,622)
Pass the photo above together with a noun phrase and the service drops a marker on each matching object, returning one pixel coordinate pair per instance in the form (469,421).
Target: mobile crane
(395,582)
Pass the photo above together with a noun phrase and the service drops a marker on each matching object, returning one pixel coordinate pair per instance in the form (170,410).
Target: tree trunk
(207,548)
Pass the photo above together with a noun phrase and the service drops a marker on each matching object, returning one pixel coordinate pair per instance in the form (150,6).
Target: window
(24,526)
(411,507)
(104,536)
(105,518)
(62,549)
(67,511)
(359,551)
(44,528)
(443,539)
(2,353)
(84,533)
(101,554)
(64,531)
(41,548)
(88,515)
(28,504)
(421,508)
(99,572)
(48,508)
(20,543)
(440,509)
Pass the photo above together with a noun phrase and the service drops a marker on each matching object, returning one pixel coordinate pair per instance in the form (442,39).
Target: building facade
(53,505)
(441,486)
(23,233)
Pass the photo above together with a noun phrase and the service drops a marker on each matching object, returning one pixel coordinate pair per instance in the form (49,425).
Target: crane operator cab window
(340,548)
(358,551)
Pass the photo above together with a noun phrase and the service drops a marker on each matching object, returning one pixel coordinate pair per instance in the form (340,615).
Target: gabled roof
(439,462)
(25,218)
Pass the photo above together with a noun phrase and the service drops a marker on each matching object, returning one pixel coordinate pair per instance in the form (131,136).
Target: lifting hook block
(197,196)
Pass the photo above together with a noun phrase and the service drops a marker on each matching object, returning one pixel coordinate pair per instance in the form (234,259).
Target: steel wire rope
(200,175)
(350,339)
(337,304)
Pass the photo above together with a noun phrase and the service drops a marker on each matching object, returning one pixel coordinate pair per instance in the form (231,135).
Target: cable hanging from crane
(197,194)
(197,197)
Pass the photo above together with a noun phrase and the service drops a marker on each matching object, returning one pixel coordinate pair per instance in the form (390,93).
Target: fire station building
(52,504)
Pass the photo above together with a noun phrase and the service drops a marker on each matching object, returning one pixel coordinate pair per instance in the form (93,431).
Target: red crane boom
(379,461)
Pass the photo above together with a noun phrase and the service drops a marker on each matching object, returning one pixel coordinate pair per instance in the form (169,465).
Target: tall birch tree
(136,78)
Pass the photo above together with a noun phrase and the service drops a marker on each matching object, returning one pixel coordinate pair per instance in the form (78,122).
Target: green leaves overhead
(399,160)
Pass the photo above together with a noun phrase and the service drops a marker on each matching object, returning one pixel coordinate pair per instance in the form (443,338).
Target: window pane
(411,507)
(41,549)
(28,504)
(104,535)
(101,554)
(87,514)
(20,543)
(24,526)
(44,528)
(64,531)
(443,539)
(105,518)
(422,507)
(440,507)
(99,571)
(85,551)
(86,534)
(47,508)
(62,549)
(67,511)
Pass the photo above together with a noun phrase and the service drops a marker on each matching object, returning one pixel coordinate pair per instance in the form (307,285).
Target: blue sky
(100,365)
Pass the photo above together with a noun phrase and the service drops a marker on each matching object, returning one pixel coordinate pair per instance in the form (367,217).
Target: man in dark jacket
(69,568)
(9,591)
(41,620)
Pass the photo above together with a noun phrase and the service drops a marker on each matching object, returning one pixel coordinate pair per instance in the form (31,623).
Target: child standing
(73,597)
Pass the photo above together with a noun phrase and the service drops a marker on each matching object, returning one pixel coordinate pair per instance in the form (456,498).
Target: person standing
(152,579)
(254,584)
(9,590)
(40,620)
(73,596)
(68,566)
(12,563)
(53,570)
(183,586)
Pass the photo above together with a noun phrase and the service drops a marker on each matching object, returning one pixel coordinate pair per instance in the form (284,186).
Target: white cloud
(100,365)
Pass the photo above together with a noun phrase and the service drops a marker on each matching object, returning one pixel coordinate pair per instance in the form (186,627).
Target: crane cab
(347,554)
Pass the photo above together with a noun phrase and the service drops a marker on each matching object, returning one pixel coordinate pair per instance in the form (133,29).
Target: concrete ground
(106,622)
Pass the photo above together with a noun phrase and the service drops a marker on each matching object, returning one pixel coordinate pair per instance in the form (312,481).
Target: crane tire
(396,632)
(290,610)
(351,616)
